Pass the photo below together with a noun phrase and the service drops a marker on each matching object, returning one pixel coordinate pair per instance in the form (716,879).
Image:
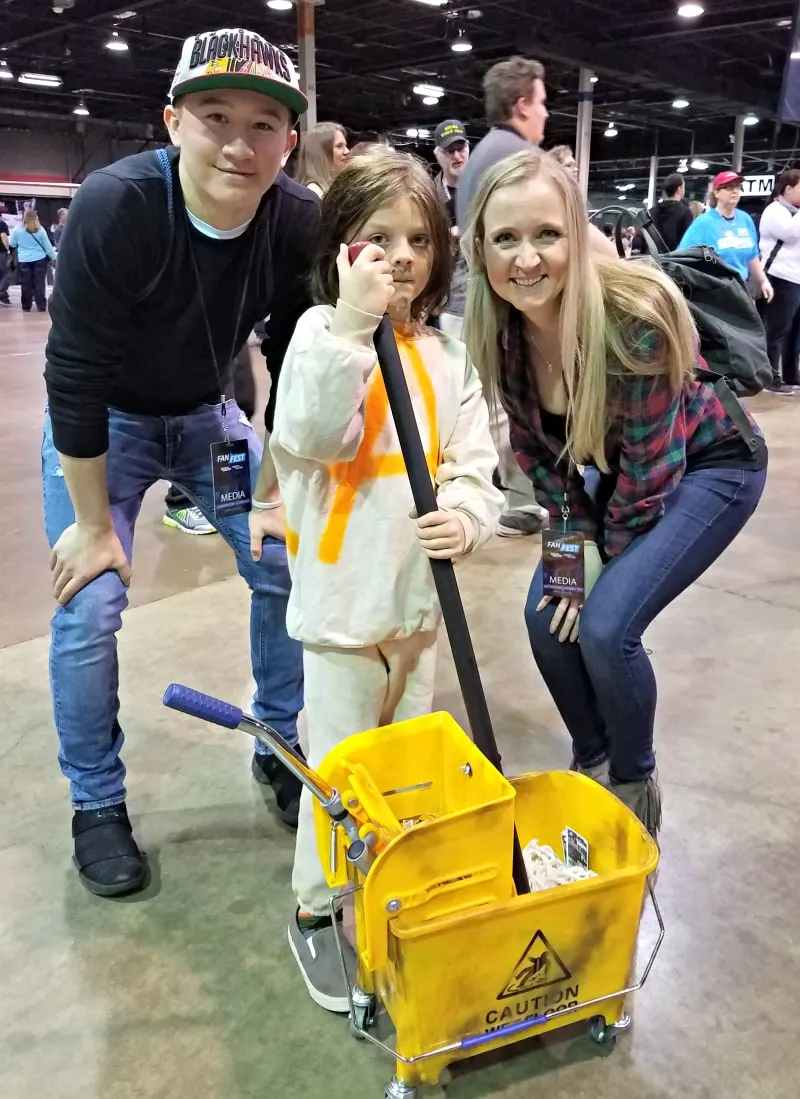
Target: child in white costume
(363,600)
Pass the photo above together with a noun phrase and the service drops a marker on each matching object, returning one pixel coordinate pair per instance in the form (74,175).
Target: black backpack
(732,339)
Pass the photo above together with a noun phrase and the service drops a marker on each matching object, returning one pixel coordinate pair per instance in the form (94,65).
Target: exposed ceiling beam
(648,71)
(62,25)
(706,30)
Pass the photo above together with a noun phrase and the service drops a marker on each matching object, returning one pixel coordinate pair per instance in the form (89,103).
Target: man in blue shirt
(729,231)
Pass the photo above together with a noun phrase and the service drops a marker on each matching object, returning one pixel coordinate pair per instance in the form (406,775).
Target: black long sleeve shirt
(127,319)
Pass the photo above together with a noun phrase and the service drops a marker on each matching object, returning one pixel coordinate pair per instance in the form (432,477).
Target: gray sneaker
(518,524)
(188,520)
(318,958)
(644,799)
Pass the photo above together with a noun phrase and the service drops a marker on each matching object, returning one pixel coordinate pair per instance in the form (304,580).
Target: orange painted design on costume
(292,541)
(367,465)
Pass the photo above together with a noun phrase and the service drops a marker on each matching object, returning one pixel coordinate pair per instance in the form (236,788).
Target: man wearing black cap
(451,149)
(171,258)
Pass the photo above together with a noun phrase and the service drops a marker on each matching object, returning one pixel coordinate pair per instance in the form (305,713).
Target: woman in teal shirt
(33,251)
(729,231)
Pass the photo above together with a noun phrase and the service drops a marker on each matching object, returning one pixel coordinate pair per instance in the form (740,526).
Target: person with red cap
(171,257)
(731,232)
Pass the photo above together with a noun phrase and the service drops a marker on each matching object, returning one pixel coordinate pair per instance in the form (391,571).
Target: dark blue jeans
(84,674)
(604,686)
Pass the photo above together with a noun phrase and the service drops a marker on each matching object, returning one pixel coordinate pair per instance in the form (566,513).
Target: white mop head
(546,870)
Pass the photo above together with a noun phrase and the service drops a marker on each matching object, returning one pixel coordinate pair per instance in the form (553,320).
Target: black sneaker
(107,857)
(269,771)
(780,389)
(5,301)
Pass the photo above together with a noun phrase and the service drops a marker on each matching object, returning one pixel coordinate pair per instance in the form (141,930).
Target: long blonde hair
(315,163)
(617,317)
(30,219)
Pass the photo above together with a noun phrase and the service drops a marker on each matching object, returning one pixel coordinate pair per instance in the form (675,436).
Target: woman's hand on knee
(566,615)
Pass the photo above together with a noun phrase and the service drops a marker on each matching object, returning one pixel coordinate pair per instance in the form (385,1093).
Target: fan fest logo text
(241,51)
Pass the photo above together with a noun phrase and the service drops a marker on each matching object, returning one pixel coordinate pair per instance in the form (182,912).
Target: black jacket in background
(672,218)
(127,321)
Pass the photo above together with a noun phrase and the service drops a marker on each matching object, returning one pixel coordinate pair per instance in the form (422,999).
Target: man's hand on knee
(80,555)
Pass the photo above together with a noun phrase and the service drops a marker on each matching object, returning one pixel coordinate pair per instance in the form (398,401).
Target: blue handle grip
(503,1032)
(195,704)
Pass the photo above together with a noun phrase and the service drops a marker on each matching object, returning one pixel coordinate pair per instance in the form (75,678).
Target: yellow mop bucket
(459,961)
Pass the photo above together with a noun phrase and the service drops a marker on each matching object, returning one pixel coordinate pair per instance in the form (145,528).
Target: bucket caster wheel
(398,1090)
(365,1010)
(605,1035)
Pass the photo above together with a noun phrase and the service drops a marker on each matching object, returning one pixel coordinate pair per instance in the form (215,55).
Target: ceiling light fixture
(680,103)
(461,44)
(593,79)
(433,3)
(280,5)
(423,133)
(430,100)
(795,56)
(5,72)
(612,130)
(690,11)
(750,120)
(81,108)
(432,90)
(784,23)
(411,132)
(699,165)
(40,80)
(119,45)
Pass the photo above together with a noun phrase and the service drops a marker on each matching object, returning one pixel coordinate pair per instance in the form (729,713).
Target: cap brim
(292,98)
(452,140)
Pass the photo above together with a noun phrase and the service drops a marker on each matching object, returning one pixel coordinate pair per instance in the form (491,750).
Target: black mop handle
(444,575)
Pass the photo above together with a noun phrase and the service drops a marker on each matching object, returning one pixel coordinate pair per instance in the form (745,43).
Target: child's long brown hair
(363,186)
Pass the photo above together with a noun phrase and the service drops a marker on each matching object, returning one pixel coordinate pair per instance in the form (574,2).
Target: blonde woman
(594,360)
(33,251)
(323,154)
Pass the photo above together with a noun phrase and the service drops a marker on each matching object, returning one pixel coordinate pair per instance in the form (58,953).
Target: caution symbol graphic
(538,967)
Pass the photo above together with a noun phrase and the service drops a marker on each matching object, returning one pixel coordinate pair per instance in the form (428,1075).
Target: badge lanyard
(563,556)
(206,322)
(230,461)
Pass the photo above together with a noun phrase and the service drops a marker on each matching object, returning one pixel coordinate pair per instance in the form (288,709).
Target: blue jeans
(84,674)
(604,686)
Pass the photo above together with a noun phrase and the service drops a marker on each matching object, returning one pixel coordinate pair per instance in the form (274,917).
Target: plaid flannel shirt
(653,432)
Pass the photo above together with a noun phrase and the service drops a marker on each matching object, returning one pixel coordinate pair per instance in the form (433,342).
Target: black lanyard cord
(239,313)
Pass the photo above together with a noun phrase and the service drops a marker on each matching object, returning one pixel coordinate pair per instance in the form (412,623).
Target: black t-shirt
(3,229)
(127,318)
(451,203)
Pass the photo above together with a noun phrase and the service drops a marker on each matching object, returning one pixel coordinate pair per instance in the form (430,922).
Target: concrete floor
(188,991)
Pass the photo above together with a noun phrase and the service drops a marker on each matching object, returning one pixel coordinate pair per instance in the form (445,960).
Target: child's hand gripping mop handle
(443,572)
(188,701)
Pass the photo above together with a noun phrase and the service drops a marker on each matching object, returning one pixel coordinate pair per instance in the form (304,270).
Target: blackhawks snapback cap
(237,58)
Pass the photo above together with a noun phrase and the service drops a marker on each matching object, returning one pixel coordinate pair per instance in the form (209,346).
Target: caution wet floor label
(532,989)
(538,967)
